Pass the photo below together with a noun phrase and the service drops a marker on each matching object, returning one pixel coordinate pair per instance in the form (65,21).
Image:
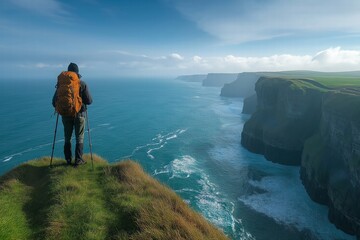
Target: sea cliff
(330,166)
(301,122)
(191,78)
(243,86)
(250,104)
(218,79)
(281,122)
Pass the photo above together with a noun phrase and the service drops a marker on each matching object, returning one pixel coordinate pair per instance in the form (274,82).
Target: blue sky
(38,38)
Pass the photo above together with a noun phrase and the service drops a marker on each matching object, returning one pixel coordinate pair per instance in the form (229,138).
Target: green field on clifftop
(328,79)
(117,201)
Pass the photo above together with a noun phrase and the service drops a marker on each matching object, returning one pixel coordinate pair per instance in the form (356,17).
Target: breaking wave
(285,201)
(157,143)
(204,194)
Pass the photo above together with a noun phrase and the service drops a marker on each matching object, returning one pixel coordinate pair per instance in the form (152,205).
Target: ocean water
(186,136)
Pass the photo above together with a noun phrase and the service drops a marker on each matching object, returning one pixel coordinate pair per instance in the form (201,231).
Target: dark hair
(74,68)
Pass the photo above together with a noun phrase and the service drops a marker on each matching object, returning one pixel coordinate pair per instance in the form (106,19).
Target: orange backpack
(68,100)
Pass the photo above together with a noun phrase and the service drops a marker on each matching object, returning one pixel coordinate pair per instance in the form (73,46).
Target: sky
(166,38)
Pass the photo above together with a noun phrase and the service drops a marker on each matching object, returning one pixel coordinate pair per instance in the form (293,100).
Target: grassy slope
(113,202)
(329,79)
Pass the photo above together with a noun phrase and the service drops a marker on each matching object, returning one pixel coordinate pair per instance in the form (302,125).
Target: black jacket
(85,95)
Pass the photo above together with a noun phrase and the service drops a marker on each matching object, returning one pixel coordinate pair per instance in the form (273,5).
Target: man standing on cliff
(70,100)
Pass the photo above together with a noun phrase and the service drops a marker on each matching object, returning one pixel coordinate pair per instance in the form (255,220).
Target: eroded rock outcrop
(281,124)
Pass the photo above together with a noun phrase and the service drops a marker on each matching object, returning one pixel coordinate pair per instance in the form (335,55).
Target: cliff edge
(117,201)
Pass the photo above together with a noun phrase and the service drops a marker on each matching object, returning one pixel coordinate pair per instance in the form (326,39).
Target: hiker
(70,100)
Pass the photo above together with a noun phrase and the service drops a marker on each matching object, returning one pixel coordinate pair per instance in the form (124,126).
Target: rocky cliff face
(243,86)
(191,78)
(301,122)
(330,167)
(281,123)
(218,79)
(250,104)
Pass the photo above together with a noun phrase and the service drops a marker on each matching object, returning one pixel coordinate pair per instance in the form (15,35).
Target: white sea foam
(214,205)
(31,149)
(171,137)
(138,148)
(173,134)
(154,149)
(150,156)
(234,221)
(158,142)
(104,124)
(286,202)
(182,131)
(183,167)
(7,159)
(158,172)
(184,190)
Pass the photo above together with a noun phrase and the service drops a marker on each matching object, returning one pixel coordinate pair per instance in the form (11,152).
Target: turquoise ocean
(184,135)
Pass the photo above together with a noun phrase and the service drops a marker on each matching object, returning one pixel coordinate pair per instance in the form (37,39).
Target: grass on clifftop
(117,201)
(332,80)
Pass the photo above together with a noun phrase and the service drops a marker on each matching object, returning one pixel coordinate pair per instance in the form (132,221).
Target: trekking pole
(90,145)
(53,146)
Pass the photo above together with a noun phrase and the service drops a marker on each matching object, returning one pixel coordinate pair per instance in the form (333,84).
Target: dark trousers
(69,124)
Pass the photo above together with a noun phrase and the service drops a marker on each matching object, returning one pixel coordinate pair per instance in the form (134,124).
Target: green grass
(338,81)
(117,201)
(333,80)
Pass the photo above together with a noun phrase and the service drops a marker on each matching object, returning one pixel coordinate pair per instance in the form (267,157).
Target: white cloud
(111,63)
(197,59)
(237,21)
(40,65)
(337,56)
(176,56)
(331,59)
(52,8)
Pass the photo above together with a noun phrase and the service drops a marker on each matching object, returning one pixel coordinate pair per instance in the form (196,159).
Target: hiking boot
(78,155)
(80,162)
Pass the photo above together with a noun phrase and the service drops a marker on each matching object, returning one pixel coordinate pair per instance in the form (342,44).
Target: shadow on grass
(124,224)
(36,209)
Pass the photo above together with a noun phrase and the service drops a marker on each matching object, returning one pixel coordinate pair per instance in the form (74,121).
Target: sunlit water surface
(185,135)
